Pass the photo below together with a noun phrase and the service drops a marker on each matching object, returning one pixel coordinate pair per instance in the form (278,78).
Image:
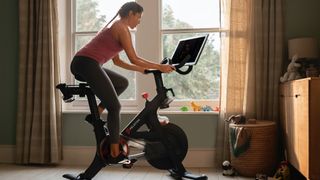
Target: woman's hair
(126,8)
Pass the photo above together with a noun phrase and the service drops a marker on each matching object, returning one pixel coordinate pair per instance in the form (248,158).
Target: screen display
(189,50)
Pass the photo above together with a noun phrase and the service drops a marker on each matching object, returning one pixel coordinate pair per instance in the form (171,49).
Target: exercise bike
(163,145)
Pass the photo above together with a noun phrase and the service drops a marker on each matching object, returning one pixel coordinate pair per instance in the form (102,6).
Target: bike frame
(148,116)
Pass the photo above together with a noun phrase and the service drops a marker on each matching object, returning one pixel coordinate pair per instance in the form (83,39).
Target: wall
(300,20)
(200,129)
(9,70)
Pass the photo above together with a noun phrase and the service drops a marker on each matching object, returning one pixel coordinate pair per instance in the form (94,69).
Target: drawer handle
(297,95)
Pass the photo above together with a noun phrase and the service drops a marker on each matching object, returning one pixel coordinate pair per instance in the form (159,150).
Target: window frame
(148,35)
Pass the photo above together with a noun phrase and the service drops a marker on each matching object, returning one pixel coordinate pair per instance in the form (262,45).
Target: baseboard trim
(83,155)
(7,153)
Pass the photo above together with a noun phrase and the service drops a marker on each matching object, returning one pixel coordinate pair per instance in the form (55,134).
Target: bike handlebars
(178,67)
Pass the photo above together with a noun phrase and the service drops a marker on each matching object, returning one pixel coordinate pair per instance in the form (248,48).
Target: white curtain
(251,63)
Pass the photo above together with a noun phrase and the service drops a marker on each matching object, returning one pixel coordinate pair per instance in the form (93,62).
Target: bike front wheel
(178,142)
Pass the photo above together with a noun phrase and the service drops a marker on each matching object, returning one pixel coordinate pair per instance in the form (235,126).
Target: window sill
(78,108)
(189,112)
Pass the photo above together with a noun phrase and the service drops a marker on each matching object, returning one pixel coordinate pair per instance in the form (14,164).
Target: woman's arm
(118,62)
(124,38)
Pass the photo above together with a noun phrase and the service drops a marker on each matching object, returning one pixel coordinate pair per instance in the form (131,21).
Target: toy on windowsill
(217,108)
(184,108)
(195,106)
(206,108)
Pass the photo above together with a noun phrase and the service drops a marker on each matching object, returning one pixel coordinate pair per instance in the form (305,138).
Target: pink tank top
(101,48)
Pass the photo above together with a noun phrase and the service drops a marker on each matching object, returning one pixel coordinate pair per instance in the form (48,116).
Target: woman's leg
(120,84)
(103,88)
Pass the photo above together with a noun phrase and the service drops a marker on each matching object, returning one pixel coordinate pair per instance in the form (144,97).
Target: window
(164,22)
(187,19)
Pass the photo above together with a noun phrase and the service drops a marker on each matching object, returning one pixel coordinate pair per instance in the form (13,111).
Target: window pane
(179,14)
(92,15)
(81,40)
(204,80)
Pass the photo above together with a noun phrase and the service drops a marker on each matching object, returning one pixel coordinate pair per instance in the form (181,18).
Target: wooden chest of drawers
(300,123)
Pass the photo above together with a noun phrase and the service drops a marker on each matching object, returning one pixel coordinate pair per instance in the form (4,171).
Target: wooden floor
(14,172)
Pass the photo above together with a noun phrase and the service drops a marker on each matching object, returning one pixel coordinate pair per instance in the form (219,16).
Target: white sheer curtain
(250,63)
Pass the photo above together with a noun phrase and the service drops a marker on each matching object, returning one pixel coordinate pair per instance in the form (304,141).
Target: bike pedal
(133,161)
(129,166)
(124,162)
(72,177)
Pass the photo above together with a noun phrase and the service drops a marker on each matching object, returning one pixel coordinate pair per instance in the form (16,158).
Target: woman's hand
(141,70)
(165,68)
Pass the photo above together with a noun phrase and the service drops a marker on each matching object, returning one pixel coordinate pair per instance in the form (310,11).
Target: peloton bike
(163,145)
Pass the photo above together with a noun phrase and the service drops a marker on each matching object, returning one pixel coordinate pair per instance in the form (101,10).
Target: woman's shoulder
(119,26)
(119,29)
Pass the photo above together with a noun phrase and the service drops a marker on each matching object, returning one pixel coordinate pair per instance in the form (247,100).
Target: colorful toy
(184,108)
(206,108)
(217,108)
(195,106)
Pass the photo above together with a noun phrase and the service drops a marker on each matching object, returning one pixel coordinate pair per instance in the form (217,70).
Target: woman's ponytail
(112,19)
(126,8)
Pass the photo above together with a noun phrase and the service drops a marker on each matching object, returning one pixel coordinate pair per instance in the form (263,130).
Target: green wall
(301,19)
(8,70)
(200,129)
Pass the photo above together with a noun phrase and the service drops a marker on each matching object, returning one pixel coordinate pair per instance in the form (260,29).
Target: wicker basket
(261,155)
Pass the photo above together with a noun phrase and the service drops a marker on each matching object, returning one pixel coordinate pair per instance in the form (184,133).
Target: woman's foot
(116,156)
(120,159)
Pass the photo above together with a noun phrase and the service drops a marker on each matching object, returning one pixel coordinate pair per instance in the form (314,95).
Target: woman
(106,84)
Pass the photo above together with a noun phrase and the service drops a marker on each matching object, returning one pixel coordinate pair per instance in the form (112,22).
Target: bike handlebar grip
(148,71)
(178,70)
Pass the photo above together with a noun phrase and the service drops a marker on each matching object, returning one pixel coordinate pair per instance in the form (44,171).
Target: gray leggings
(106,85)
